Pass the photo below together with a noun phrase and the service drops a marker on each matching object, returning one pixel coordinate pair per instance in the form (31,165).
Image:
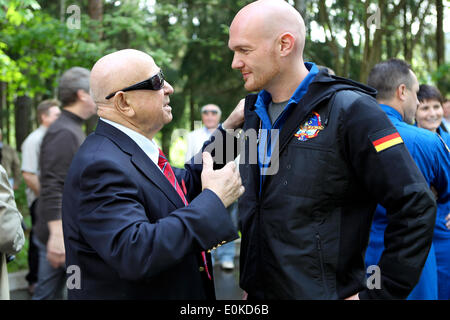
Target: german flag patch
(385,139)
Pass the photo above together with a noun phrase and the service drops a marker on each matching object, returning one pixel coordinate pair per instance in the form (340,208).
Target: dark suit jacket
(127,229)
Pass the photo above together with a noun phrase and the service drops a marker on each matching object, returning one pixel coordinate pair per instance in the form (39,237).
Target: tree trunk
(95,10)
(23,105)
(2,102)
(300,5)
(6,137)
(62,12)
(406,29)
(349,41)
(331,40)
(364,63)
(192,108)
(440,42)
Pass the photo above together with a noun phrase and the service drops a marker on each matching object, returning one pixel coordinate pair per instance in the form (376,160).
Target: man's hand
(56,253)
(32,182)
(353,297)
(226,183)
(236,118)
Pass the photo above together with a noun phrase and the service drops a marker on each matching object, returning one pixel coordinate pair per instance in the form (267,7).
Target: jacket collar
(391,112)
(72,116)
(140,160)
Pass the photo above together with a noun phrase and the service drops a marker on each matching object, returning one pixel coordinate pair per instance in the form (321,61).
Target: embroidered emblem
(311,128)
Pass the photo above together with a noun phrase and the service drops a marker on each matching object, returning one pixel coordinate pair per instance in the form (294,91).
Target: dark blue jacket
(304,237)
(127,229)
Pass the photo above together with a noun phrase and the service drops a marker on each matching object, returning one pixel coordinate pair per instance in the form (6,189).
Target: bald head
(268,19)
(119,70)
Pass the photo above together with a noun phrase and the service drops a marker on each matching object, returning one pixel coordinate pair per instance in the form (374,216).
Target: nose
(434,113)
(237,63)
(168,89)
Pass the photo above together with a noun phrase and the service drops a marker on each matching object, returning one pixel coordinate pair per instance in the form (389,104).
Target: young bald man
(134,228)
(305,228)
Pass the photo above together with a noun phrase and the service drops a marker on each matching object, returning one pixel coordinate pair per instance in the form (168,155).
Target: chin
(169,118)
(251,87)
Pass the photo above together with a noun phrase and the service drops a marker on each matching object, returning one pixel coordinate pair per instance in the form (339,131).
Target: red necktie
(164,164)
(168,172)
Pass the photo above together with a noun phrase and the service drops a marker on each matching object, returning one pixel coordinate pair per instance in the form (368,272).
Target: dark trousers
(33,253)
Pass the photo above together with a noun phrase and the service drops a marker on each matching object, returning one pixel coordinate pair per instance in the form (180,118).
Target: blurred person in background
(59,145)
(47,112)
(429,115)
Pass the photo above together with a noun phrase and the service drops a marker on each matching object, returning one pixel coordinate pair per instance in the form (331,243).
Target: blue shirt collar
(264,97)
(391,112)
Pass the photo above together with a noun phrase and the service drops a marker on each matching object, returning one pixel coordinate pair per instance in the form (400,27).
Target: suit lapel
(140,160)
(154,174)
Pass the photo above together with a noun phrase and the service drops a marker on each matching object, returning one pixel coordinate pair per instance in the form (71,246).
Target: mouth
(167,107)
(245,75)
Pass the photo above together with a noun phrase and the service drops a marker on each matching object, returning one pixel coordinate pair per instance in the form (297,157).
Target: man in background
(397,88)
(211,114)
(60,143)
(47,112)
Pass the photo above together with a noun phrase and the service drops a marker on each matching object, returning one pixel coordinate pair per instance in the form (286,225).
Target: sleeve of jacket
(392,178)
(441,165)
(57,152)
(11,234)
(113,220)
(222,145)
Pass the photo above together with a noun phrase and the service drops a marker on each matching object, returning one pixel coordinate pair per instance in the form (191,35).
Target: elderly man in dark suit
(134,228)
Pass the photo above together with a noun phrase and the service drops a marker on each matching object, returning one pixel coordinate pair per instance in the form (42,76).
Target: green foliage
(188,39)
(442,79)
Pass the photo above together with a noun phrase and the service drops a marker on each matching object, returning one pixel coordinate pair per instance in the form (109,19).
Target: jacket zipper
(322,266)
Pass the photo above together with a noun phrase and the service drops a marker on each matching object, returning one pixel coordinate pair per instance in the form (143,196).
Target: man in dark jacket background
(60,143)
(306,213)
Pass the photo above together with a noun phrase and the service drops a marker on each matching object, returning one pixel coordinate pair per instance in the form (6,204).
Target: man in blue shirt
(397,88)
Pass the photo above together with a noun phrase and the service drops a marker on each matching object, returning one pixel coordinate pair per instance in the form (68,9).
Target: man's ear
(286,42)
(401,92)
(81,95)
(122,105)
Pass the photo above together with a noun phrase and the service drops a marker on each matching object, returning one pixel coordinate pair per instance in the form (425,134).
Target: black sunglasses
(210,111)
(155,82)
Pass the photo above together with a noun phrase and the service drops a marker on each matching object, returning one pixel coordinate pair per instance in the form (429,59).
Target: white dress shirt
(148,146)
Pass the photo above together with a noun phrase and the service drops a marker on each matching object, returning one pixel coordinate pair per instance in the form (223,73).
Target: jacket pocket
(321,263)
